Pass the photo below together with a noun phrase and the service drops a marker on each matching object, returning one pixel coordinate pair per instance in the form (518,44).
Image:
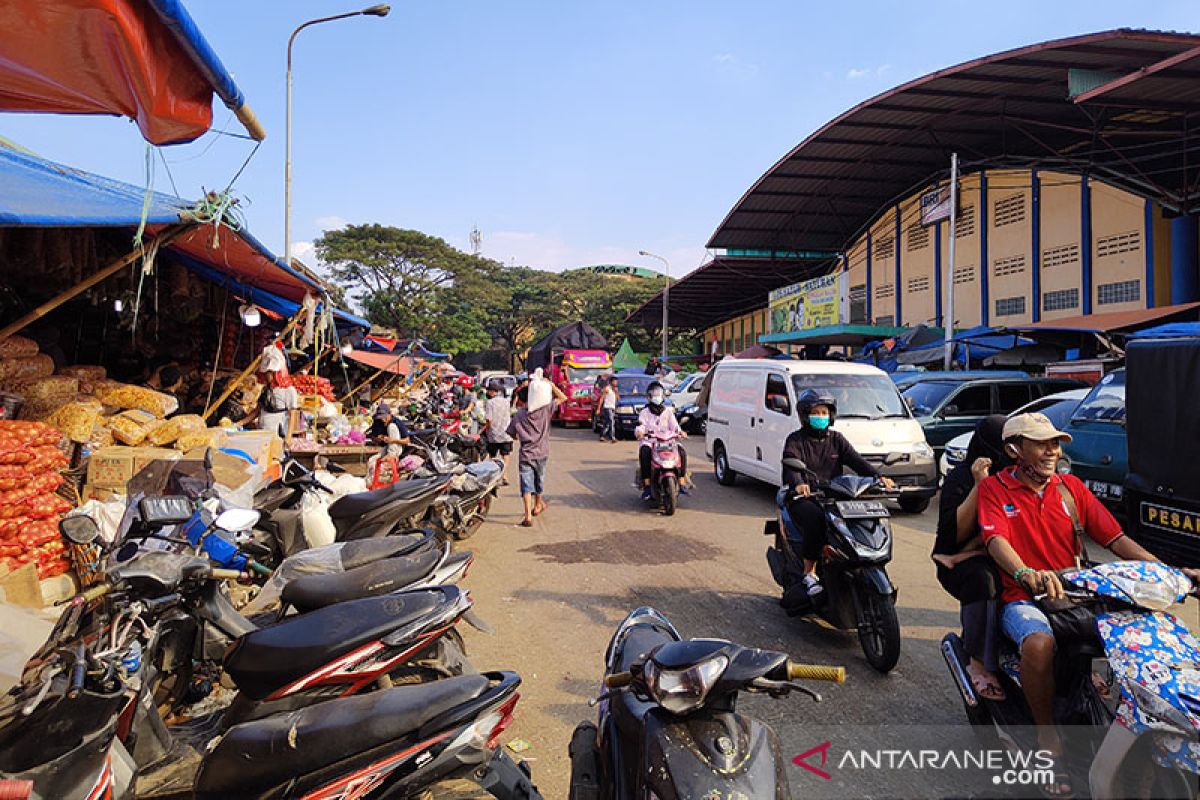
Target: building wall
(1022,230)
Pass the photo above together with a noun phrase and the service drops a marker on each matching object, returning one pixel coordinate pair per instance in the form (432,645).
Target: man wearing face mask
(658,418)
(825,453)
(1025,518)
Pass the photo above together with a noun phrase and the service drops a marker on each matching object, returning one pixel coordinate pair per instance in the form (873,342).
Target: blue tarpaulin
(35,192)
(1172,330)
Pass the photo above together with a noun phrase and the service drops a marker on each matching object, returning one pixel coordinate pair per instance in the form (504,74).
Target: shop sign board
(814,303)
(935,205)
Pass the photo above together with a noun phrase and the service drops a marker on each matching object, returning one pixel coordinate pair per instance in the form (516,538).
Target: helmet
(650,390)
(809,398)
(466,381)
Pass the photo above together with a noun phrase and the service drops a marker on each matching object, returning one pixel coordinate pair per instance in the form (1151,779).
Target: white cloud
(304,251)
(856,73)
(731,63)
(332,222)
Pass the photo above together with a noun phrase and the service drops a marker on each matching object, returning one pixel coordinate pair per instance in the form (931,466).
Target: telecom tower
(476,239)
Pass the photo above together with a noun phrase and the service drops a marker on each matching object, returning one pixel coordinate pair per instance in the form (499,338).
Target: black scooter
(83,724)
(853,568)
(668,725)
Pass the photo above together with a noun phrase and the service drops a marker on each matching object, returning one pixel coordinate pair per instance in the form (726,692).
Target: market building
(1076,198)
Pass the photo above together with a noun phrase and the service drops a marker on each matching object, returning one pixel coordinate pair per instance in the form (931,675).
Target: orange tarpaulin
(389,362)
(142,59)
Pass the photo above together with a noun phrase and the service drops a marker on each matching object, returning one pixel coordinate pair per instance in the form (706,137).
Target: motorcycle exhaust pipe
(959,673)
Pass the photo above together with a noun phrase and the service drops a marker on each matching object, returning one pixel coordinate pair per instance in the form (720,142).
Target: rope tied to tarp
(217,209)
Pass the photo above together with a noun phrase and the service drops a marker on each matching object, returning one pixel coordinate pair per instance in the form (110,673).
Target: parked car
(631,399)
(905,378)
(947,408)
(1057,407)
(751,411)
(692,417)
(1098,453)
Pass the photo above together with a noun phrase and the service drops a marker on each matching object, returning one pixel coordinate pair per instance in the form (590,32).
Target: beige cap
(1033,426)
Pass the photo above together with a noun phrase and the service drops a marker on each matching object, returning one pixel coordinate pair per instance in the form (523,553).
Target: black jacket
(826,453)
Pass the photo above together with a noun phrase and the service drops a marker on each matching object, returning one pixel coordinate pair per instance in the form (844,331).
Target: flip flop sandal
(987,688)
(1061,778)
(525,523)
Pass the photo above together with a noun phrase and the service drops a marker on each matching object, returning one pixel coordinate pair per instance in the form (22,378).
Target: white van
(752,410)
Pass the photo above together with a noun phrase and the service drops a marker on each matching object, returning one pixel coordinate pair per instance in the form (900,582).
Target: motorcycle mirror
(795,464)
(79,529)
(237,519)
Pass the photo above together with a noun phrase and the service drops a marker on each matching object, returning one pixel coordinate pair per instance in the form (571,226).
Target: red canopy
(389,362)
(143,59)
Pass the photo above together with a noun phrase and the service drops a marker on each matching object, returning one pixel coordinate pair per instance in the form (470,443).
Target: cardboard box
(112,467)
(227,470)
(263,447)
(21,588)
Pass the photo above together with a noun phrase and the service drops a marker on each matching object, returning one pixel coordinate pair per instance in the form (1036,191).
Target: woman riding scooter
(655,419)
(825,453)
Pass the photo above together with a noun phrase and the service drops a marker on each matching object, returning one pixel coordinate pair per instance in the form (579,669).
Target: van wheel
(725,475)
(913,504)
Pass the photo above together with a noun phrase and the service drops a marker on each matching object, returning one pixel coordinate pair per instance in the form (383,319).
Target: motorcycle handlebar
(226,574)
(88,595)
(815,672)
(617,680)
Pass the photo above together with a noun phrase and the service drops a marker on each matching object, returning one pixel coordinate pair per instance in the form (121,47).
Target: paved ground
(556,592)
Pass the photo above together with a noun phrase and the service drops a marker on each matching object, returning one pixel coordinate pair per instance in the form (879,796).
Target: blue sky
(571,133)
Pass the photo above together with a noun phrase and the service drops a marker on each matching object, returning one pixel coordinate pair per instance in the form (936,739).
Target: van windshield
(925,397)
(857,396)
(585,374)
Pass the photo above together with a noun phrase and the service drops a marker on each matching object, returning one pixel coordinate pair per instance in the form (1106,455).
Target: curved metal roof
(1122,106)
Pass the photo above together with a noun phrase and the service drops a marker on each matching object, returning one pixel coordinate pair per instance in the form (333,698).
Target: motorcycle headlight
(923,450)
(868,543)
(681,691)
(1158,711)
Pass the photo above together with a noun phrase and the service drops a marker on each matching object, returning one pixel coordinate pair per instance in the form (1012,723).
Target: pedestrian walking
(498,415)
(532,430)
(608,411)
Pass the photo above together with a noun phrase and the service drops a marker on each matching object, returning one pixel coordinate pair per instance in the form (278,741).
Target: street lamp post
(380,10)
(666,296)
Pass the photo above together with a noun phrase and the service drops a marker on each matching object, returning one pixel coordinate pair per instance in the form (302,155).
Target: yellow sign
(1170,519)
(814,303)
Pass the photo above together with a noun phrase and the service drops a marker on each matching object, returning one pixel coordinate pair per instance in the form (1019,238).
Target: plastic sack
(133,426)
(77,419)
(106,515)
(37,366)
(176,427)
(85,372)
(540,393)
(140,397)
(318,525)
(18,347)
(315,561)
(202,437)
(341,484)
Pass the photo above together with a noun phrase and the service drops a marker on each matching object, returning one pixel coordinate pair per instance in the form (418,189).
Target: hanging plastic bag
(318,525)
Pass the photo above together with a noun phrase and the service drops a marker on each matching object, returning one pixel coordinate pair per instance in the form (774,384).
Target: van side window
(777,396)
(1011,396)
(972,401)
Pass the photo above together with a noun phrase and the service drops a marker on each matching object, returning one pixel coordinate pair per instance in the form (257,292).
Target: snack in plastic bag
(133,426)
(84,372)
(77,419)
(204,437)
(139,397)
(175,427)
(18,347)
(99,387)
(36,366)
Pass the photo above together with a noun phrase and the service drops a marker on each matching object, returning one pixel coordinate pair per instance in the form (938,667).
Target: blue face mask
(818,423)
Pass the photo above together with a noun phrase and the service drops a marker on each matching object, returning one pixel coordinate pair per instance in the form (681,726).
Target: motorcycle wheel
(670,494)
(448,659)
(879,631)
(476,521)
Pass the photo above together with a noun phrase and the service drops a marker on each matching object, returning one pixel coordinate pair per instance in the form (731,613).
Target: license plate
(583,392)
(1103,489)
(1171,519)
(862,508)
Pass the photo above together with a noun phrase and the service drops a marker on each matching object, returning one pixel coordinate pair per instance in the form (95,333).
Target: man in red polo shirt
(1028,530)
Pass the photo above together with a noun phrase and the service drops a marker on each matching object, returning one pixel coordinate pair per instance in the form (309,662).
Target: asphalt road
(556,592)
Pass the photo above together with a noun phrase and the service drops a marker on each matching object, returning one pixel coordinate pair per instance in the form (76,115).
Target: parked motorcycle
(459,512)
(667,723)
(666,472)
(1135,680)
(853,567)
(83,724)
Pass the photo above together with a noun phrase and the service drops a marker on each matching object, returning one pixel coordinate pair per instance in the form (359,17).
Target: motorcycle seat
(256,756)
(370,580)
(271,658)
(367,551)
(356,505)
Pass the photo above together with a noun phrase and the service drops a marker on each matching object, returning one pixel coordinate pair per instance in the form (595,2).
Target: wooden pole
(233,384)
(164,238)
(373,376)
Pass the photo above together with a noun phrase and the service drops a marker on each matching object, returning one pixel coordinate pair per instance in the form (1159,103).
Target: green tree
(396,275)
